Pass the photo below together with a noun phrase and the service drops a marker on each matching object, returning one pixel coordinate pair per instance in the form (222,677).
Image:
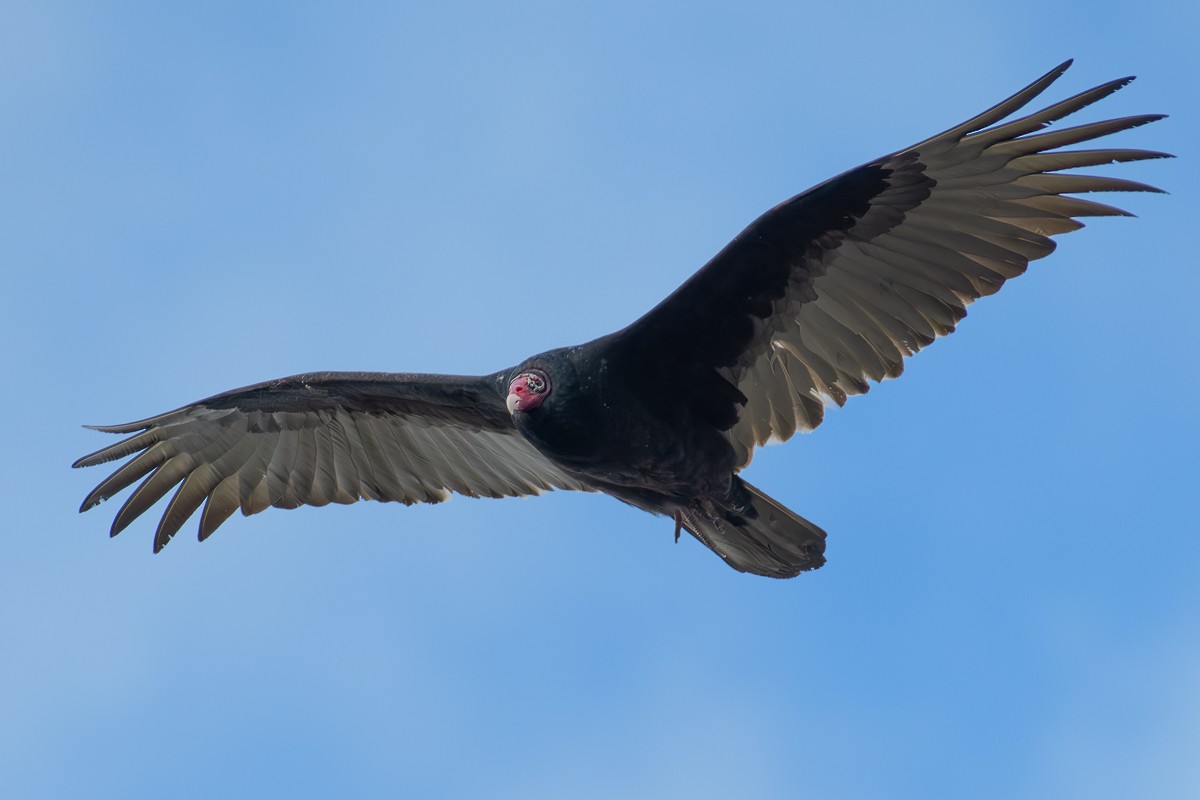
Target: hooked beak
(512,402)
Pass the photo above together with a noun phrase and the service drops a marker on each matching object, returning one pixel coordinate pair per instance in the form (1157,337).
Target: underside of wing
(834,288)
(322,438)
(962,213)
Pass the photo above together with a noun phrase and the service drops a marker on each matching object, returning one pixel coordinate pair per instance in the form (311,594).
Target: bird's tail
(764,538)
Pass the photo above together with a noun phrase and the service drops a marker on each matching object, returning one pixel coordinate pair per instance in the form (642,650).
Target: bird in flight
(822,294)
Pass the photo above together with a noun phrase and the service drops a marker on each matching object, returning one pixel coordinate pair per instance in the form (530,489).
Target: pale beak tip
(511,402)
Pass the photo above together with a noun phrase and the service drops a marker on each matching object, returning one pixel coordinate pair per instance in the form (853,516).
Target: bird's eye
(535,384)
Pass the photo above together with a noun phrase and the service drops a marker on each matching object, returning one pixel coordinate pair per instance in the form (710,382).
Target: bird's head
(527,391)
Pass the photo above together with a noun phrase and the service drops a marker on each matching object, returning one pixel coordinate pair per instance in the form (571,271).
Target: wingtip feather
(128,427)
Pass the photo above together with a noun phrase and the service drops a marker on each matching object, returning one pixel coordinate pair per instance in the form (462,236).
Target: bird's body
(647,454)
(822,294)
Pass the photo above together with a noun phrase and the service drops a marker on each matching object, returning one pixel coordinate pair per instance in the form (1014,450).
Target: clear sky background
(200,196)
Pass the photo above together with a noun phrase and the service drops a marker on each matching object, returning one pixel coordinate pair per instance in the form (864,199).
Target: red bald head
(527,391)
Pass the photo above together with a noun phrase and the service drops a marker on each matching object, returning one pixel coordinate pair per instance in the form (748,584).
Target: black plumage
(824,293)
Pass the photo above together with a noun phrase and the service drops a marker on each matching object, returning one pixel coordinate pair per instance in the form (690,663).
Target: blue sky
(198,198)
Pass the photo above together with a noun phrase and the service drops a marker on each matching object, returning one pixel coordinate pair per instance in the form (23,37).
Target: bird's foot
(678,525)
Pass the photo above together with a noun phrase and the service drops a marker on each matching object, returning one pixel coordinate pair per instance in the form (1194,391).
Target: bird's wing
(323,438)
(837,285)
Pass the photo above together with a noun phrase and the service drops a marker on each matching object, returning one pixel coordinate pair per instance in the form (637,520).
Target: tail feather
(773,541)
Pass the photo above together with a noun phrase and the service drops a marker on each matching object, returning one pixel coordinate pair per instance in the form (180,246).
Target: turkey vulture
(823,293)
